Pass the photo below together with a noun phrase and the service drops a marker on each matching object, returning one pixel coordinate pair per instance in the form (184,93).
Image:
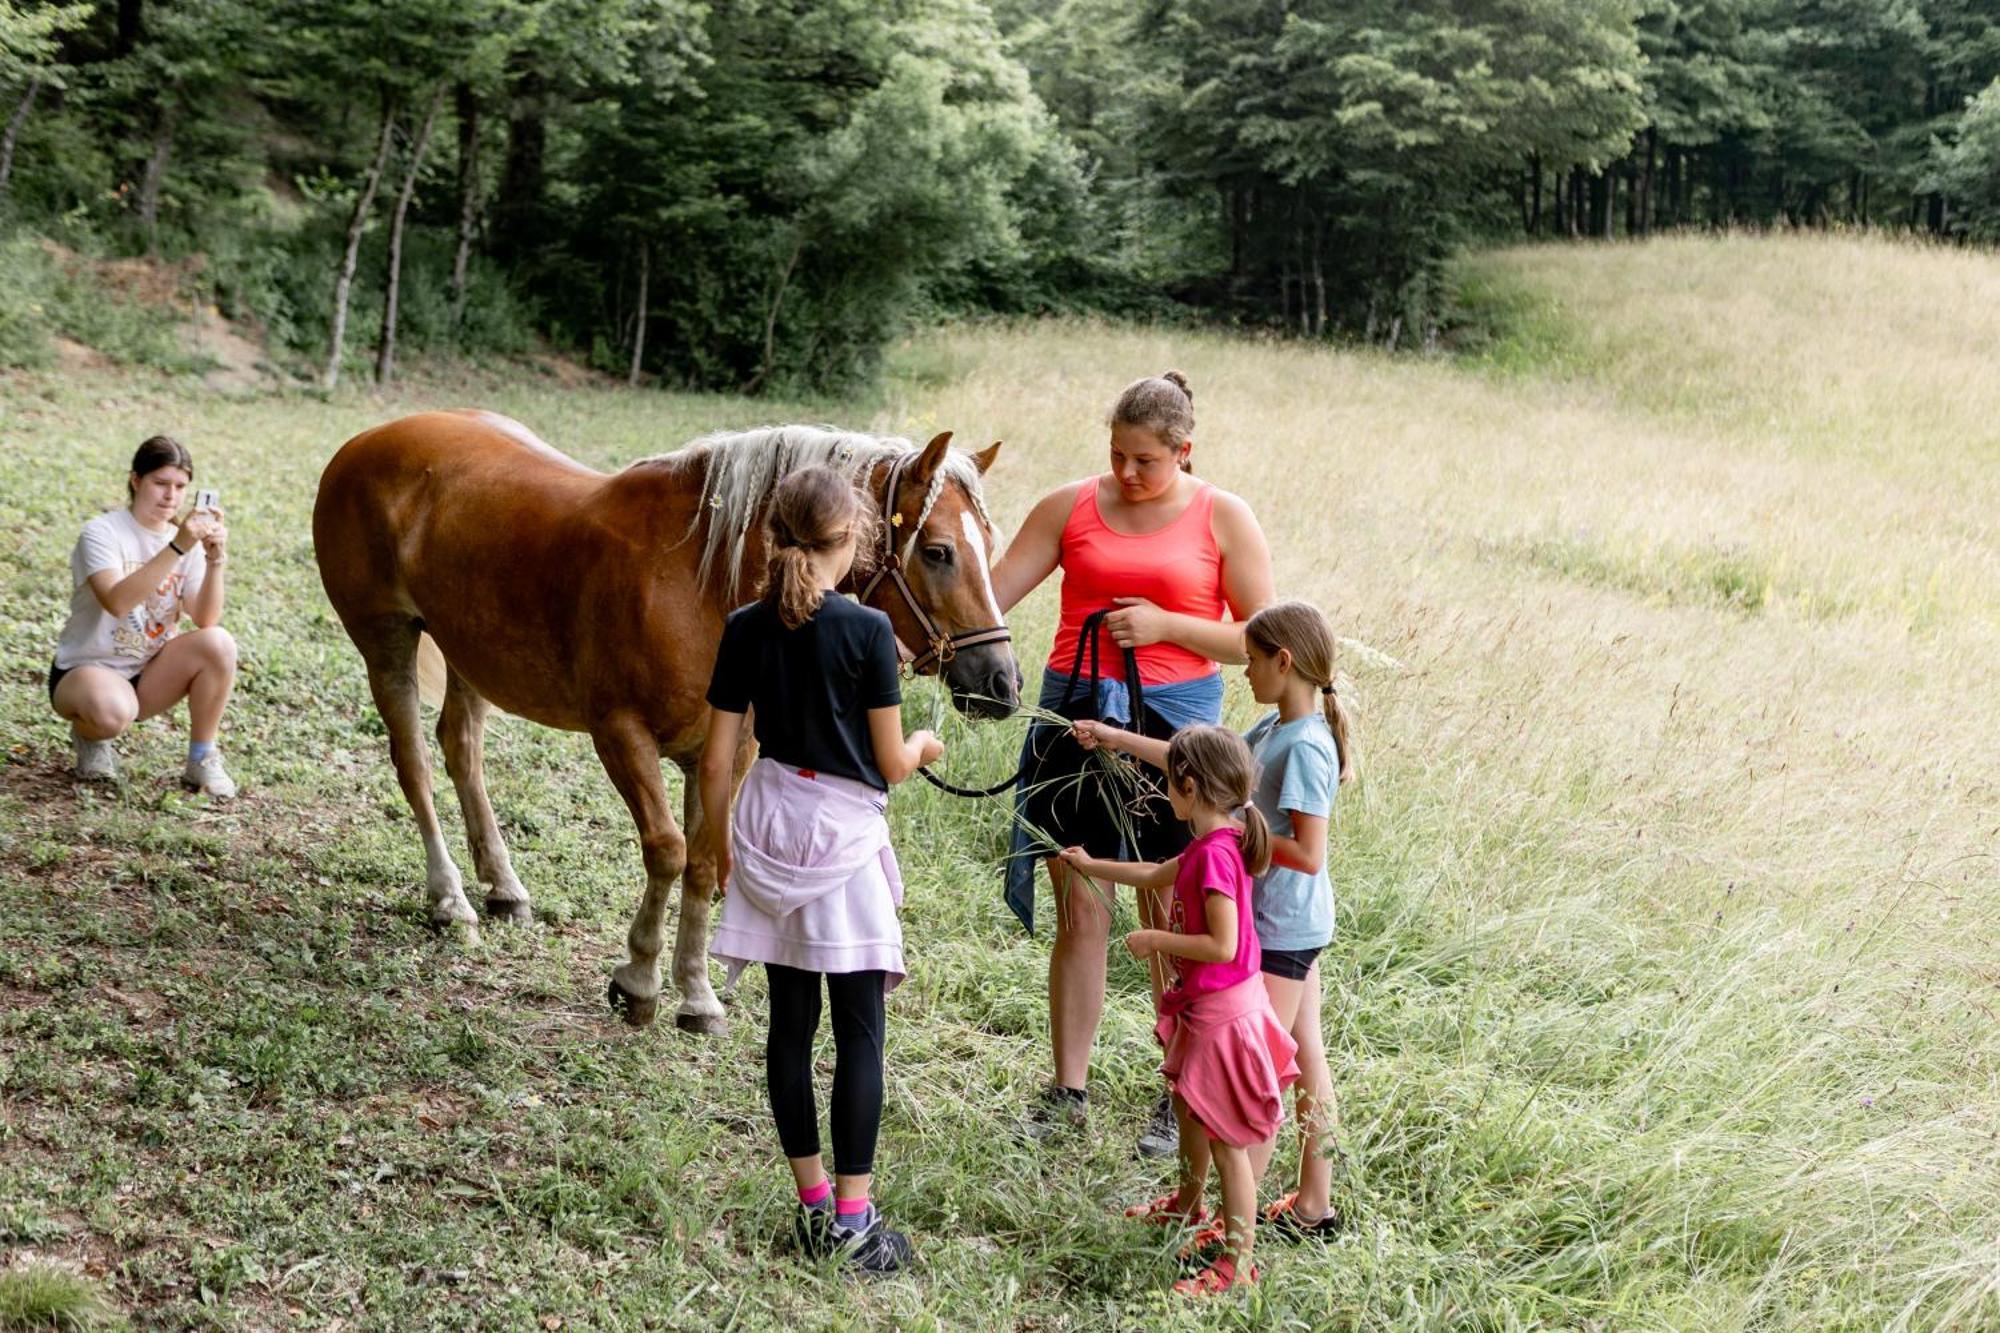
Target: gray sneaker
(1162,1135)
(206,775)
(1057,1109)
(96,761)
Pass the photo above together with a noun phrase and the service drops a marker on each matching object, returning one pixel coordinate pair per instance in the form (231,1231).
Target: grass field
(1663,995)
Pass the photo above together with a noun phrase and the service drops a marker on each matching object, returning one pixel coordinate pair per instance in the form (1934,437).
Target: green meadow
(1663,990)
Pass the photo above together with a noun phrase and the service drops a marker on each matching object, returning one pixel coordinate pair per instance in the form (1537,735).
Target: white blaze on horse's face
(975,541)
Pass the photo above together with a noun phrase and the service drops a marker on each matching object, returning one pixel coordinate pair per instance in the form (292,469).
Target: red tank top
(1178,568)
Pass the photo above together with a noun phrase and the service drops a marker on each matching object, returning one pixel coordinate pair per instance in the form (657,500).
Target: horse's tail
(430,671)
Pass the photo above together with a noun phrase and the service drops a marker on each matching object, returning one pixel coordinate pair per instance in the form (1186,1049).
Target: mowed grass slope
(1663,994)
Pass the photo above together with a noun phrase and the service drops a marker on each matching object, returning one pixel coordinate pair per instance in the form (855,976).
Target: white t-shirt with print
(93,636)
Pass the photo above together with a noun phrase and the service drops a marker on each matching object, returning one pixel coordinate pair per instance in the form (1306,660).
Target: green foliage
(796,184)
(37,1296)
(838,162)
(46,293)
(1967,169)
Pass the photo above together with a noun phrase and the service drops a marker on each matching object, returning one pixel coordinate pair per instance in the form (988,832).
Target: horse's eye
(940,554)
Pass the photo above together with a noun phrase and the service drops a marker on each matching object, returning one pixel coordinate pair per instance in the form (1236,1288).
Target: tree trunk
(1299,248)
(771,315)
(1319,279)
(1648,204)
(1609,177)
(468,198)
(356,224)
(131,25)
(155,174)
(385,350)
(517,207)
(14,124)
(1632,201)
(639,320)
(1535,207)
(1559,223)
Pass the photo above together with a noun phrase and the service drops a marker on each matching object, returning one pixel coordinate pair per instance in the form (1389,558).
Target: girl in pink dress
(1228,1058)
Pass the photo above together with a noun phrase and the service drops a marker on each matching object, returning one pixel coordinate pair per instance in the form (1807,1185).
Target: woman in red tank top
(1179,565)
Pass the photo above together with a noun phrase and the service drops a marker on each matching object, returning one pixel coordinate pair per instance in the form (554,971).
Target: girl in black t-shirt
(811,882)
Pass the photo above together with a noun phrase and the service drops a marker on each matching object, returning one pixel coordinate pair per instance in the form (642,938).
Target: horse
(594,602)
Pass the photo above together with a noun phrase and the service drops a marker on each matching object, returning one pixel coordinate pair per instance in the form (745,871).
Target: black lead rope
(1092,624)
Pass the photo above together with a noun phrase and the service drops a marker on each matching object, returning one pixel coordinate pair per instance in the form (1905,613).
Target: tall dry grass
(1673,872)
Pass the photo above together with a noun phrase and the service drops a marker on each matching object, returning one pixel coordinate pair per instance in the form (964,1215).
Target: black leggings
(857,1063)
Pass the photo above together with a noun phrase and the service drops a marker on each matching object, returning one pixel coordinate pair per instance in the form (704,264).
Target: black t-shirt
(812,686)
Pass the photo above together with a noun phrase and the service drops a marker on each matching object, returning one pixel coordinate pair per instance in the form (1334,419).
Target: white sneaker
(96,761)
(206,776)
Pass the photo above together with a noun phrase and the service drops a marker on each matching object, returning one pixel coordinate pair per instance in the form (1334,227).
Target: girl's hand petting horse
(1143,943)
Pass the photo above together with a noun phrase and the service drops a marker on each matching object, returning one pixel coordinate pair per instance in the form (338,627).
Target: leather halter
(942,647)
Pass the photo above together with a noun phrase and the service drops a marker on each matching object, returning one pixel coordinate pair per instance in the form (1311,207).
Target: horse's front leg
(631,758)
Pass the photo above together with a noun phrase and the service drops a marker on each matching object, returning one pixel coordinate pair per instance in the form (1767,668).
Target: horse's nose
(1003,686)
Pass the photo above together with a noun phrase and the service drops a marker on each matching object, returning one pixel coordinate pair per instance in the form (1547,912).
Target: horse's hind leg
(631,758)
(461,735)
(390,649)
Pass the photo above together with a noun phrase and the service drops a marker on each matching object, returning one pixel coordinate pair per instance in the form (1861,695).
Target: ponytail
(814,509)
(1256,841)
(1338,722)
(793,589)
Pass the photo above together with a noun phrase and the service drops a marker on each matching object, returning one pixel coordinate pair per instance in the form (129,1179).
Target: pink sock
(813,1196)
(850,1207)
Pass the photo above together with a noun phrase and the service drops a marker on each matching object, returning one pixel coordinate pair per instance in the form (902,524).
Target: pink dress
(1227,1056)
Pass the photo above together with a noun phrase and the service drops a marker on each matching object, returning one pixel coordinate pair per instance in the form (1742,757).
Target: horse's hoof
(510,909)
(637,1010)
(706,1025)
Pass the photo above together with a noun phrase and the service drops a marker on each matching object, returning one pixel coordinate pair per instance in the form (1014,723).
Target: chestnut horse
(595,602)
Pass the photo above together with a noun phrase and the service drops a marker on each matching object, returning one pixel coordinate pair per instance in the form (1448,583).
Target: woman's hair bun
(1179,381)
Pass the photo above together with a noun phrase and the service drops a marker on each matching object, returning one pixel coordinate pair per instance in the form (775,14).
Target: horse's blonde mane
(743,467)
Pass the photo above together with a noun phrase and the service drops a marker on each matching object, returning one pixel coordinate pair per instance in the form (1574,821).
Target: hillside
(1663,983)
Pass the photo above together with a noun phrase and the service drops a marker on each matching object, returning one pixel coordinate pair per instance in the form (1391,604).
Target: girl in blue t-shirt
(1303,753)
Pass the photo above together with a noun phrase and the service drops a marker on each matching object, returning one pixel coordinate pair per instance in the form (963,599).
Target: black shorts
(1291,964)
(1073,810)
(56,673)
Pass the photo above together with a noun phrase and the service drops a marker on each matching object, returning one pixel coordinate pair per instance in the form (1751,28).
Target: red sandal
(1282,1216)
(1165,1212)
(1206,1241)
(1218,1277)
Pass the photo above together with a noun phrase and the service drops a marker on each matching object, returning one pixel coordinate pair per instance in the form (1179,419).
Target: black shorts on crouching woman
(56,673)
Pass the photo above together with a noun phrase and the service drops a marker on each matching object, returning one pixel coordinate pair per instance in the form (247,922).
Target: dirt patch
(235,363)
(72,355)
(570,374)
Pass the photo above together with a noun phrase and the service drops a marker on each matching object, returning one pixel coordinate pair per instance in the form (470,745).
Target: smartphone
(204,499)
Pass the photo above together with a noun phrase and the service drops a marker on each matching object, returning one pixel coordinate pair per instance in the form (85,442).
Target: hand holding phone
(204,499)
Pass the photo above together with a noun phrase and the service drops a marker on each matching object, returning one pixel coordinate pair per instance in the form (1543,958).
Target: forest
(748,194)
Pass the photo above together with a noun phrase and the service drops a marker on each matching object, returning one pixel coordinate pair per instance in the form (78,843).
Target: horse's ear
(931,459)
(984,458)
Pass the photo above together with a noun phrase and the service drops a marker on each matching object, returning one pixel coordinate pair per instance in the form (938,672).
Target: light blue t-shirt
(1298,769)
